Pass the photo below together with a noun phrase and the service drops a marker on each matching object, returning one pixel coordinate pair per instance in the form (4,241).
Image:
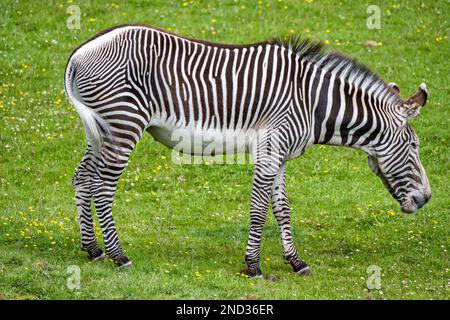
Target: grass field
(185,226)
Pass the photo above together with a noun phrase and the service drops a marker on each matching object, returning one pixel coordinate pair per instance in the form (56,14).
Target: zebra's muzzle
(415,202)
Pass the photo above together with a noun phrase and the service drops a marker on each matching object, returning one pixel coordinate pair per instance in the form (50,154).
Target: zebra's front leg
(83,197)
(282,212)
(263,178)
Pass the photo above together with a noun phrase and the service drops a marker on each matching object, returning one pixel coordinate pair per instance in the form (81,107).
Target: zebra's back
(165,82)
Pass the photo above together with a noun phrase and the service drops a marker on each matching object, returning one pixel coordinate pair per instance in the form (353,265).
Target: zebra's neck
(349,107)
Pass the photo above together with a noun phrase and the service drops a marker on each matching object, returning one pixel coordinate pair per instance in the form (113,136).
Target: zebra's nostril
(420,201)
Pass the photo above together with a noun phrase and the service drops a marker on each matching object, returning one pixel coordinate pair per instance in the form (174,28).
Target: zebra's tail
(96,128)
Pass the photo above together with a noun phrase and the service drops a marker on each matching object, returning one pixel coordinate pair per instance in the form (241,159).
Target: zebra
(132,79)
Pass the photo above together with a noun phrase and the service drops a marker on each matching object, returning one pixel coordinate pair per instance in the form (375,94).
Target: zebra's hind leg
(83,197)
(109,169)
(282,212)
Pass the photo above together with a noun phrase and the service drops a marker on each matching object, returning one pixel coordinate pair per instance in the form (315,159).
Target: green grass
(176,220)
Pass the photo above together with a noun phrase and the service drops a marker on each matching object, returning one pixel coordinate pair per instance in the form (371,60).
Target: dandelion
(185,4)
(91,20)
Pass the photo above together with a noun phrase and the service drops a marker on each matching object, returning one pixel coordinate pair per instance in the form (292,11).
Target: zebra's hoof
(95,254)
(254,272)
(304,272)
(123,262)
(101,256)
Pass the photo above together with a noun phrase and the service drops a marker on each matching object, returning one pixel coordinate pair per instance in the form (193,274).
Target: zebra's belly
(198,141)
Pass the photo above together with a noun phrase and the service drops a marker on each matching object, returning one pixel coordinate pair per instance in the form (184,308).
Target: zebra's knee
(80,180)
(75,181)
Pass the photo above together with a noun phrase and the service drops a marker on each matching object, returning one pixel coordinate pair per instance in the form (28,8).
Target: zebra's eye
(414,145)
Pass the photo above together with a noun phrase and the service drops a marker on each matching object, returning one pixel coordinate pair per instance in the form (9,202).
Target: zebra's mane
(354,72)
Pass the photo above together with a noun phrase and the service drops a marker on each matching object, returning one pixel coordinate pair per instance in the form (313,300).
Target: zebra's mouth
(409,206)
(415,201)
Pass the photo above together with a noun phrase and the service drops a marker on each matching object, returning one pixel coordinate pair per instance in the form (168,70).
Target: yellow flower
(184,4)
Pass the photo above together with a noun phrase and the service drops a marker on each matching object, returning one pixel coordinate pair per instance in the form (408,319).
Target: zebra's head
(396,159)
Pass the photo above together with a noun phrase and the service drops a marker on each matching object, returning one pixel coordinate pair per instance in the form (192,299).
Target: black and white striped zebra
(275,98)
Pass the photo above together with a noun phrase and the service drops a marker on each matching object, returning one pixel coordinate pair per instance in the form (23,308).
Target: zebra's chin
(409,206)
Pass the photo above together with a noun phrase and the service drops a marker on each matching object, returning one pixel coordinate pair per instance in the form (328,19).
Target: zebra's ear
(411,107)
(394,87)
